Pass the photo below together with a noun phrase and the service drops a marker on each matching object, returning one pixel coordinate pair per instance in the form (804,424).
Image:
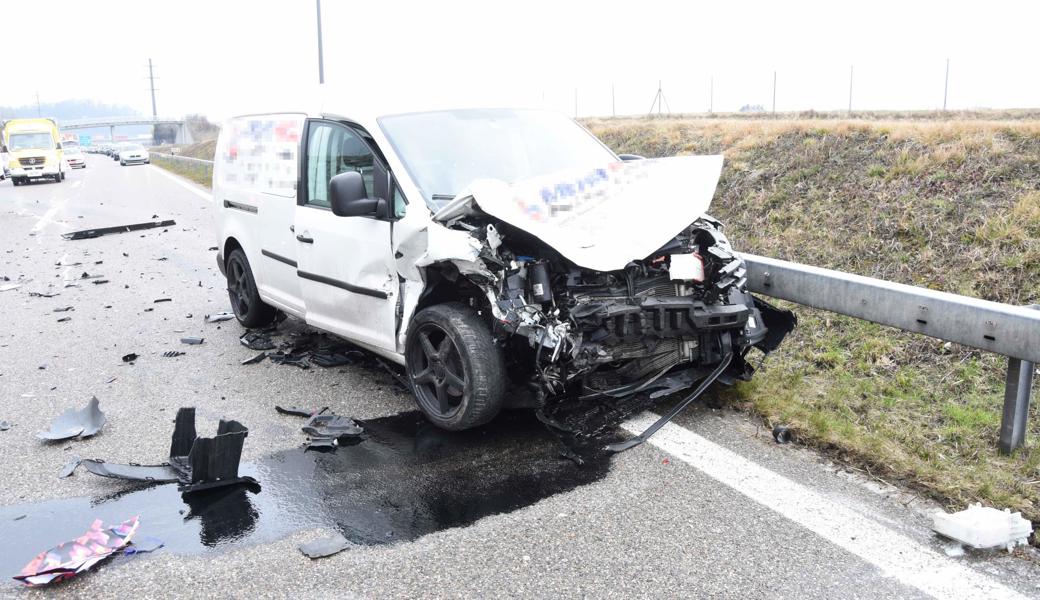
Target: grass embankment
(197,172)
(953,206)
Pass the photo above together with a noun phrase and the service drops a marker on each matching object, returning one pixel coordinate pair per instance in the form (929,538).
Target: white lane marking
(893,553)
(204,195)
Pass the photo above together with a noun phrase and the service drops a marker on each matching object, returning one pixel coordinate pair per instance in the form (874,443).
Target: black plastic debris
(327,431)
(158,300)
(334,359)
(129,358)
(143,543)
(64,319)
(296,411)
(782,434)
(257,340)
(172,353)
(290,358)
(76,423)
(64,309)
(196,463)
(93,233)
(43,294)
(192,341)
(69,468)
(147,473)
(255,359)
(323,547)
(99,281)
(218,317)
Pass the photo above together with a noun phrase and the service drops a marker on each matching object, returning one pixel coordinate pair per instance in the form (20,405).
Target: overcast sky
(222,57)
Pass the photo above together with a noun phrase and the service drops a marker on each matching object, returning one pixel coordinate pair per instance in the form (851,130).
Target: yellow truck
(33,148)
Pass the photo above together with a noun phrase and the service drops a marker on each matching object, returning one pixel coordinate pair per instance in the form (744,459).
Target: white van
(495,253)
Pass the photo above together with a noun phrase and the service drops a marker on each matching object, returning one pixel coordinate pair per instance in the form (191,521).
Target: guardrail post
(1017,390)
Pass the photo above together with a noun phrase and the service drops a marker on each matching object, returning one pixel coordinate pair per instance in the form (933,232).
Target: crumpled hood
(600,218)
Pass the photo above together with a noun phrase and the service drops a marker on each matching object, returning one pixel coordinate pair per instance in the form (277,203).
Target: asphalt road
(714,508)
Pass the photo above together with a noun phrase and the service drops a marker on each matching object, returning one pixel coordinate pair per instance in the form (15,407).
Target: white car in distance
(133,153)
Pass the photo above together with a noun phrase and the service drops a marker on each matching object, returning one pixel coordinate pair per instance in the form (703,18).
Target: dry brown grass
(950,205)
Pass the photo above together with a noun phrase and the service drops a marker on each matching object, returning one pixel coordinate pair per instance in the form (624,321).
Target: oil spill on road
(404,479)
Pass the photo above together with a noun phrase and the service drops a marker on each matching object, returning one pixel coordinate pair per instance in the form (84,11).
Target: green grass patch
(199,173)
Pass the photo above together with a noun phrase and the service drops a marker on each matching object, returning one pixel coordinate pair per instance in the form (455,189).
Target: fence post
(1017,390)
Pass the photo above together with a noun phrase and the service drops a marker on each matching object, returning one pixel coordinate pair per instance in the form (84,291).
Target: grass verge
(950,205)
(200,173)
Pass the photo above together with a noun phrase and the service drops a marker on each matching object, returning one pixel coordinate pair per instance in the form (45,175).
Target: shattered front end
(658,326)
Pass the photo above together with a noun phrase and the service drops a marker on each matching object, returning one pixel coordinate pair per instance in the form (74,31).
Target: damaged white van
(499,255)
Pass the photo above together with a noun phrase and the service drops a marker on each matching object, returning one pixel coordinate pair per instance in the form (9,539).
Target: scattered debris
(218,317)
(149,309)
(43,294)
(782,434)
(93,233)
(76,423)
(984,527)
(327,431)
(9,287)
(69,559)
(335,359)
(196,463)
(99,281)
(212,248)
(172,353)
(86,275)
(64,319)
(158,300)
(323,547)
(257,339)
(143,544)
(289,358)
(69,468)
(299,412)
(192,341)
(5,425)
(255,359)
(129,358)
(64,309)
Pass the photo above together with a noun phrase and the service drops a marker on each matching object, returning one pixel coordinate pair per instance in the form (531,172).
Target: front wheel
(458,373)
(245,300)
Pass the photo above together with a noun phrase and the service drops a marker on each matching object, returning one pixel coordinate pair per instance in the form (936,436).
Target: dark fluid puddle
(404,479)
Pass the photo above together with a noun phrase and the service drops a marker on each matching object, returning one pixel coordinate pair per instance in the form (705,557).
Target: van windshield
(30,141)
(445,151)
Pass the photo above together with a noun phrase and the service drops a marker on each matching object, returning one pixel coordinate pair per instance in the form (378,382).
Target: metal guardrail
(1011,331)
(197,169)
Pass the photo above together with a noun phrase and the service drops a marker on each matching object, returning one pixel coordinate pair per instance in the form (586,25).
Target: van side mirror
(349,199)
(3,149)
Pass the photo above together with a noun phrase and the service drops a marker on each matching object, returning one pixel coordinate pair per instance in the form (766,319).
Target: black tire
(16,181)
(245,300)
(62,176)
(122,164)
(457,371)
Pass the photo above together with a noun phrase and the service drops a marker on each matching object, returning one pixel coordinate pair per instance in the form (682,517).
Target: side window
(331,150)
(400,204)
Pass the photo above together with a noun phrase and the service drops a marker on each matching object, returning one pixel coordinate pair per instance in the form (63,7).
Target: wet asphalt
(491,513)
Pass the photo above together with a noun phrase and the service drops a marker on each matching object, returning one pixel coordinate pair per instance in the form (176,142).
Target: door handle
(304,239)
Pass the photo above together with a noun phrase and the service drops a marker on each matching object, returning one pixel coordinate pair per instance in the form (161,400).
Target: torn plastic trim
(74,423)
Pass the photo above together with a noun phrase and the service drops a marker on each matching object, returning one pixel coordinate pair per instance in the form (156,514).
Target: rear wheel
(457,371)
(245,300)
(16,181)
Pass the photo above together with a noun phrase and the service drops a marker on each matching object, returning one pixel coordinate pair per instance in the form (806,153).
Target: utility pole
(774,92)
(613,107)
(321,53)
(850,89)
(711,94)
(151,80)
(946,84)
(659,101)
